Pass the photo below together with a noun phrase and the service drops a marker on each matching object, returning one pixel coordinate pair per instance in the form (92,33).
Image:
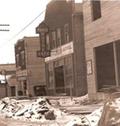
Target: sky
(18,14)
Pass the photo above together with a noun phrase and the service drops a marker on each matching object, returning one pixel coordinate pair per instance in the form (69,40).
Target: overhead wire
(14,36)
(24,28)
(27,25)
(4,27)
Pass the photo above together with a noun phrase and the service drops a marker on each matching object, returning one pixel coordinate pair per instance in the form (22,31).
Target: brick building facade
(65,68)
(30,69)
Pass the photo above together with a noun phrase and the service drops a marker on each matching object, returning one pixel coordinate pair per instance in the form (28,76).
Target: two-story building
(102,45)
(30,69)
(64,35)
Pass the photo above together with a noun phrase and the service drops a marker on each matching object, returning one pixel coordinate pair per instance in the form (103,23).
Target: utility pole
(4,29)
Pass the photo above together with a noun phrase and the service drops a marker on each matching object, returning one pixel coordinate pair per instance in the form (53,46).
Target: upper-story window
(66,33)
(42,38)
(96,9)
(53,43)
(47,42)
(58,43)
(22,58)
(17,60)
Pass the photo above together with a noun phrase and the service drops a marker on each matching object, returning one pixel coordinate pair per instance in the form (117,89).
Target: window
(23,58)
(42,46)
(24,86)
(66,33)
(17,60)
(53,40)
(96,9)
(58,37)
(47,42)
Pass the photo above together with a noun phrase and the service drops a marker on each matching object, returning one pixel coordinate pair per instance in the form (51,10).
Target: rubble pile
(42,110)
(36,110)
(111,112)
(86,120)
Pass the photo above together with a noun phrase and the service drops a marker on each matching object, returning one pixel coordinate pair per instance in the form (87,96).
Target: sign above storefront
(21,73)
(43,54)
(60,51)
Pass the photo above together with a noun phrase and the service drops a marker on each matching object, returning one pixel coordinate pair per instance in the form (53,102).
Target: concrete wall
(99,32)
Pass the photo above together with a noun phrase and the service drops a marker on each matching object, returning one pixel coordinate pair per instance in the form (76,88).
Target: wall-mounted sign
(60,52)
(43,54)
(42,28)
(21,73)
(44,51)
(89,67)
(39,30)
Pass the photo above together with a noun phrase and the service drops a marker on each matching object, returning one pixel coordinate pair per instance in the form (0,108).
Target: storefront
(59,69)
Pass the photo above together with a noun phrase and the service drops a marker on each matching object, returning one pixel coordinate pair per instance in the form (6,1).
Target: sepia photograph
(59,63)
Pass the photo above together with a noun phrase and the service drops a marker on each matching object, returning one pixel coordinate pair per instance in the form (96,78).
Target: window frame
(96,10)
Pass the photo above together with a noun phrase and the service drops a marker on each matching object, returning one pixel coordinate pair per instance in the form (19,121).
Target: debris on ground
(42,110)
(11,108)
(111,111)
(86,120)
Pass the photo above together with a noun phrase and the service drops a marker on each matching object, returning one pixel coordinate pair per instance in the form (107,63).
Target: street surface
(2,123)
(12,122)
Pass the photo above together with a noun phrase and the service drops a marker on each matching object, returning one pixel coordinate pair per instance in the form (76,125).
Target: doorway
(39,90)
(12,90)
(59,80)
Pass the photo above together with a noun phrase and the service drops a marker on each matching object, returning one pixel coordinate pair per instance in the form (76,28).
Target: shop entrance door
(59,80)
